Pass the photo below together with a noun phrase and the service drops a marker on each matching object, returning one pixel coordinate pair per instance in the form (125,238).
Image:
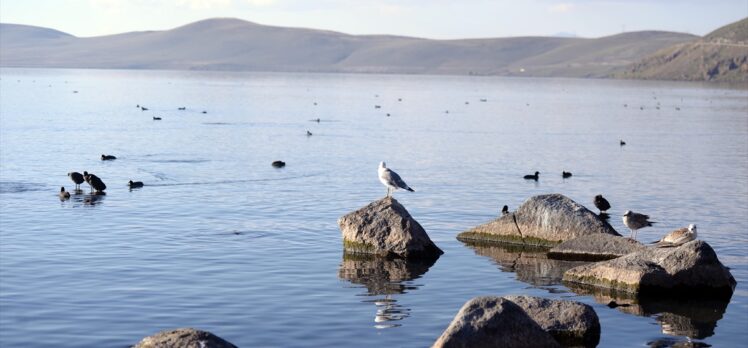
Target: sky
(436,19)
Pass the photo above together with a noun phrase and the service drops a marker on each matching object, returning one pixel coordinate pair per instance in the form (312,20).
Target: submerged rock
(544,220)
(595,247)
(692,268)
(385,228)
(570,323)
(184,338)
(491,321)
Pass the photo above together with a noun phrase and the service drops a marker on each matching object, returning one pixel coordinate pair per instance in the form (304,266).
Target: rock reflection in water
(386,277)
(694,318)
(531,264)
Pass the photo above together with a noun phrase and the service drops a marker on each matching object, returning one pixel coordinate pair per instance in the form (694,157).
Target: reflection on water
(531,264)
(382,276)
(693,318)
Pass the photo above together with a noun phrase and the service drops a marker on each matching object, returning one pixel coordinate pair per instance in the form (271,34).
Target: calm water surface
(220,240)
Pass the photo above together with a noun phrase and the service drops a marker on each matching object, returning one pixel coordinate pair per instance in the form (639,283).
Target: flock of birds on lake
(392,181)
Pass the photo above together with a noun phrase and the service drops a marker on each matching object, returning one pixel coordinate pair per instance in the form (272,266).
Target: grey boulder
(491,321)
(692,268)
(570,323)
(385,228)
(595,247)
(184,338)
(544,220)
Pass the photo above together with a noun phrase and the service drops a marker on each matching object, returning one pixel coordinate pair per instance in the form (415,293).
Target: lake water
(220,240)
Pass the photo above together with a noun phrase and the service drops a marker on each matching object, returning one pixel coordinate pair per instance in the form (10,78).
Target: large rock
(184,338)
(595,247)
(692,268)
(570,323)
(493,322)
(544,220)
(385,228)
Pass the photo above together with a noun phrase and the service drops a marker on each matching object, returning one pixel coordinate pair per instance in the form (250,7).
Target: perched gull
(601,203)
(390,179)
(678,237)
(635,221)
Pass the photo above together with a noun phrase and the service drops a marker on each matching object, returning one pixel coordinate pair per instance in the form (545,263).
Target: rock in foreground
(595,247)
(493,322)
(570,323)
(690,269)
(184,338)
(385,228)
(544,220)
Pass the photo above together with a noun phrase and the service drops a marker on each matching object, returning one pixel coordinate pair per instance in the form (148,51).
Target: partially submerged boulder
(491,321)
(570,323)
(385,228)
(184,338)
(692,268)
(544,220)
(595,247)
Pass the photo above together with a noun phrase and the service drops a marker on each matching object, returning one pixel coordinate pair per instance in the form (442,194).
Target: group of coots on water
(94,182)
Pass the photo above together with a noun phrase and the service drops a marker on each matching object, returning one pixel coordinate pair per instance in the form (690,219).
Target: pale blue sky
(439,19)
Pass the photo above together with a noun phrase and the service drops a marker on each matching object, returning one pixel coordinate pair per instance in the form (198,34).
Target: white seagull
(390,179)
(678,237)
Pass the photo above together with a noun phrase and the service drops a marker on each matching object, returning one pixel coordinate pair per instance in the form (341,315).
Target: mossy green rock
(385,228)
(544,220)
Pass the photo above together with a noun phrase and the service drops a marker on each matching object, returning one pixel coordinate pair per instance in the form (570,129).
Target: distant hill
(722,55)
(233,44)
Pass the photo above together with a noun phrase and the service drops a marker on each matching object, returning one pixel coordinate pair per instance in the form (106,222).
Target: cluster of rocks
(384,244)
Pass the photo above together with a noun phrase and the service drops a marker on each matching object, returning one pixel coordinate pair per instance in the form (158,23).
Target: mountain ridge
(235,44)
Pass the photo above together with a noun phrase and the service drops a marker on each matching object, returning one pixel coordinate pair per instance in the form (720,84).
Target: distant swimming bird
(391,180)
(377,106)
(143,108)
(484,100)
(156,118)
(181,108)
(317,120)
(77,179)
(678,237)
(279,164)
(565,174)
(532,177)
(308,133)
(107,157)
(135,184)
(635,221)
(622,142)
(205,112)
(64,194)
(601,203)
(399,99)
(388,114)
(466,103)
(505,210)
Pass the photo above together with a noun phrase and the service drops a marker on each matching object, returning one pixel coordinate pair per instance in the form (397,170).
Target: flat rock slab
(595,247)
(184,338)
(544,220)
(690,269)
(385,228)
(491,321)
(570,323)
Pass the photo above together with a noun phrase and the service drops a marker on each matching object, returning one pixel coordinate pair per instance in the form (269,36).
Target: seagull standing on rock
(635,221)
(390,179)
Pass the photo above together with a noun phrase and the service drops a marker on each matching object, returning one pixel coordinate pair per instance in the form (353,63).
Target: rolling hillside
(722,56)
(233,44)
